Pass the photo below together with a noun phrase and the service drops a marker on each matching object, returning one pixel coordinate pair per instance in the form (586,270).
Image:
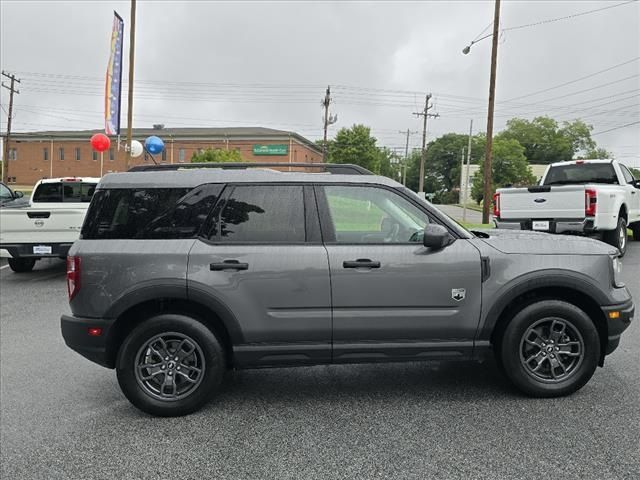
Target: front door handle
(229,265)
(361,263)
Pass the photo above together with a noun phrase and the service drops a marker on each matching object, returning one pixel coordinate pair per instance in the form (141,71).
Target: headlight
(616,266)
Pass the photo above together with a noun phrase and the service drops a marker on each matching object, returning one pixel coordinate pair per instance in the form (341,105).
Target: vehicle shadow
(445,381)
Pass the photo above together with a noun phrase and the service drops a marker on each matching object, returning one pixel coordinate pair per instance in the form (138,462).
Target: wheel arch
(580,294)
(214,316)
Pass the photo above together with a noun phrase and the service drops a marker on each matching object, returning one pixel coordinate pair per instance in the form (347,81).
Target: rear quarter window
(149,213)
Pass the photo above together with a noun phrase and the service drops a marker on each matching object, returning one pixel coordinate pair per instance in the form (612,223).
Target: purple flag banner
(113,86)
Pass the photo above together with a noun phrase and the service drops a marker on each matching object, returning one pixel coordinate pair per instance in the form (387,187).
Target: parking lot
(65,417)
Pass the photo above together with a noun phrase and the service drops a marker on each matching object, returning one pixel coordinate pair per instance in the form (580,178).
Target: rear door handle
(361,263)
(229,265)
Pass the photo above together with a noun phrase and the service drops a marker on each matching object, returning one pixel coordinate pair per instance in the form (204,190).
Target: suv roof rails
(335,168)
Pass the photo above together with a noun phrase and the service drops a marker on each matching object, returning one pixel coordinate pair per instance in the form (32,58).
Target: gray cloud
(290,51)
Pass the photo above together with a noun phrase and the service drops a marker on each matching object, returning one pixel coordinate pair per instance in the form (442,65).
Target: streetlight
(486,204)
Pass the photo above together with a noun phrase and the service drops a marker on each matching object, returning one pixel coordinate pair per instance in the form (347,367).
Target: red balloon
(100,142)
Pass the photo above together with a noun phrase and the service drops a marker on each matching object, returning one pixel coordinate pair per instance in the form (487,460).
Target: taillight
(73,276)
(496,205)
(590,202)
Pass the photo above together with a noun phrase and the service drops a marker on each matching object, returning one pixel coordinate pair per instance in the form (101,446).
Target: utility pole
(461,196)
(328,120)
(466,183)
(12,90)
(406,155)
(426,115)
(132,49)
(488,190)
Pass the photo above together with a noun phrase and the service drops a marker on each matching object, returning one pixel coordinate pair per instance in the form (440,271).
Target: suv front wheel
(549,349)
(170,365)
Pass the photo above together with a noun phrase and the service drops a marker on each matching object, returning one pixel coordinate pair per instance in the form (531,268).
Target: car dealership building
(50,154)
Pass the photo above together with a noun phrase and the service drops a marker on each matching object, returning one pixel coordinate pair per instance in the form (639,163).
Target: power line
(566,17)
(616,128)
(574,81)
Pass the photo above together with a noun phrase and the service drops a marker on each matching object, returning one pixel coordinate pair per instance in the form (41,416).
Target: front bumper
(578,225)
(623,314)
(75,331)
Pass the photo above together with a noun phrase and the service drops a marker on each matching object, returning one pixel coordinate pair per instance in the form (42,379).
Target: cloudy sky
(205,63)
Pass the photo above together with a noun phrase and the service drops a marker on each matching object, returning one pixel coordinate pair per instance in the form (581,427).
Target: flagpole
(132,44)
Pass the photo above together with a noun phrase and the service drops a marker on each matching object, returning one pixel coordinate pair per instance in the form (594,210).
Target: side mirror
(436,237)
(18,194)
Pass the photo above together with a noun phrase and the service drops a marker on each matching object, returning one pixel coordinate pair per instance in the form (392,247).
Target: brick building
(37,155)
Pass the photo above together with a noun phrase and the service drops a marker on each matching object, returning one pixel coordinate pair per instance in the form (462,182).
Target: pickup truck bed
(591,197)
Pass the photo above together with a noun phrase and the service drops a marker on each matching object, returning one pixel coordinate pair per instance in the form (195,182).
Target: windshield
(581,173)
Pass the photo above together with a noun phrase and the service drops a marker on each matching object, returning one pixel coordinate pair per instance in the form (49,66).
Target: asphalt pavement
(62,417)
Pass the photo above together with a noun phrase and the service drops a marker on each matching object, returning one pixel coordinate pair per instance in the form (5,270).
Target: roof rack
(335,168)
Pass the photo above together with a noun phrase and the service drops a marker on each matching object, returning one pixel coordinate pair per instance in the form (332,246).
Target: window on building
(94,155)
(61,153)
(13,154)
(45,154)
(181,155)
(78,153)
(112,155)
(164,155)
(273,214)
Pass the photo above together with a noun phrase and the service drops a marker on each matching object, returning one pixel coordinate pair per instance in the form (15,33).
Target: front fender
(548,278)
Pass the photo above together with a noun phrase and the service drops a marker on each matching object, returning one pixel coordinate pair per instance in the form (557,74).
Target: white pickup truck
(591,197)
(48,225)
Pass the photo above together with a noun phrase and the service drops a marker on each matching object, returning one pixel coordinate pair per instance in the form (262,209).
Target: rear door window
(261,214)
(149,213)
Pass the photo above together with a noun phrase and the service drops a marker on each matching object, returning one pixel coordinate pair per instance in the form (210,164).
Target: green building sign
(270,149)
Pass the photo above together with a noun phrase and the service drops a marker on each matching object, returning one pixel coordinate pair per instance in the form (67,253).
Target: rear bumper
(617,325)
(578,225)
(18,250)
(75,331)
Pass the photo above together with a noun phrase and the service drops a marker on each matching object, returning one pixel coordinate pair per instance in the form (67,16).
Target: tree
(444,157)
(597,153)
(636,172)
(355,145)
(216,155)
(509,167)
(545,141)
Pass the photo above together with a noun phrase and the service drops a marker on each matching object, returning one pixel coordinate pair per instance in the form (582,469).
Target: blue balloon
(154,144)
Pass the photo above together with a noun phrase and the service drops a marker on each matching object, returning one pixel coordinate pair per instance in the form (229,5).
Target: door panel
(260,259)
(392,297)
(409,297)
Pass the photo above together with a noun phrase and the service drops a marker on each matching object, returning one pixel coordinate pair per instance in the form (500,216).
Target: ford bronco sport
(182,273)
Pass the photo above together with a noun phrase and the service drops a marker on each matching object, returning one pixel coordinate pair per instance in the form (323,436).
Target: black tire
(21,265)
(618,237)
(515,349)
(140,385)
(635,228)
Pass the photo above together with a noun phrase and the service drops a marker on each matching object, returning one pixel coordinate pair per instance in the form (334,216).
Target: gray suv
(183,273)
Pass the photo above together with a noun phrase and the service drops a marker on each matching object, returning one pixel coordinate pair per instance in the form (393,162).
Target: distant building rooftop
(186,133)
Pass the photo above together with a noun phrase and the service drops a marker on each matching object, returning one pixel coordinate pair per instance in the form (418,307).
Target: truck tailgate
(561,202)
(40,225)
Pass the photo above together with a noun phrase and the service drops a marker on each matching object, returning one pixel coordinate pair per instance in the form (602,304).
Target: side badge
(458,294)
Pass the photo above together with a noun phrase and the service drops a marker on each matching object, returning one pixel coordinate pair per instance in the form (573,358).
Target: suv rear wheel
(550,348)
(170,365)
(21,265)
